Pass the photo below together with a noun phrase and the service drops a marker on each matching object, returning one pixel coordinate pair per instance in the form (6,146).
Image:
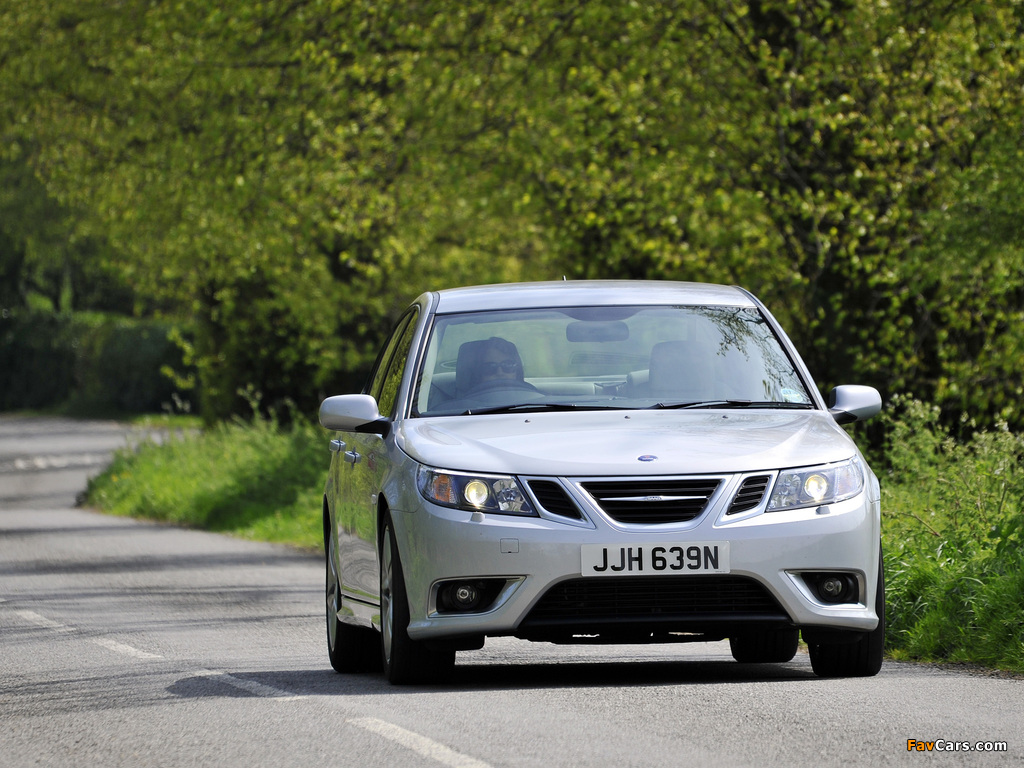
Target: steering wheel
(496,384)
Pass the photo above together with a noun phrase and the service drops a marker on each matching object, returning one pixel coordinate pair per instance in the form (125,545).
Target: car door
(361,467)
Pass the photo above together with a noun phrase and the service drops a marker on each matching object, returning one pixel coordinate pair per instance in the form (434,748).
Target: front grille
(592,603)
(652,501)
(554,498)
(750,494)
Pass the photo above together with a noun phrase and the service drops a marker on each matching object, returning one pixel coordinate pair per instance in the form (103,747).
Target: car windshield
(604,357)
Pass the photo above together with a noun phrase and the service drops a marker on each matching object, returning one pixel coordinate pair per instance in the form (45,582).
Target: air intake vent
(750,494)
(592,602)
(651,502)
(554,499)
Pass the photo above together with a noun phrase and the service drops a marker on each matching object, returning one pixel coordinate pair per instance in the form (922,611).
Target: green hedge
(88,362)
(953,534)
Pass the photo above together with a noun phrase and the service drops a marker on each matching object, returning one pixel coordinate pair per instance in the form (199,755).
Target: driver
(492,363)
(500,360)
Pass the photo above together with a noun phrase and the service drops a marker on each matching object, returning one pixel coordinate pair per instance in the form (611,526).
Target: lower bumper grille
(694,603)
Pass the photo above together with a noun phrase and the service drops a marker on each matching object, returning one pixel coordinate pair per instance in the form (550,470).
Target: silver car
(598,461)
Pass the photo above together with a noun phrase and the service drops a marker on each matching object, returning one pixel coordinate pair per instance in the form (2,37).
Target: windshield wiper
(528,407)
(730,404)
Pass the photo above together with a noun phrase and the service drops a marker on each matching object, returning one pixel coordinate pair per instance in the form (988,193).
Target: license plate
(655,559)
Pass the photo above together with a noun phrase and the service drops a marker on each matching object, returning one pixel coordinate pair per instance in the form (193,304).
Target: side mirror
(852,402)
(353,413)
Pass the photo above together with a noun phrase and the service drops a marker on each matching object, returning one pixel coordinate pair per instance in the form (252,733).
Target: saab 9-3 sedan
(598,461)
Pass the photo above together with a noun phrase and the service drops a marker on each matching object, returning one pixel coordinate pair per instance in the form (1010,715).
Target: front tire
(861,658)
(404,659)
(350,648)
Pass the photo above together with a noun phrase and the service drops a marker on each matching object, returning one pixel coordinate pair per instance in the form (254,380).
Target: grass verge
(251,479)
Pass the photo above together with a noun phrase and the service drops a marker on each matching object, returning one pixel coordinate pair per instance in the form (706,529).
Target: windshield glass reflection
(604,357)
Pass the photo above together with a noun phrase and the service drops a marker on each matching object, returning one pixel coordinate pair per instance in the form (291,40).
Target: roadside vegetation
(952,525)
(253,479)
(953,535)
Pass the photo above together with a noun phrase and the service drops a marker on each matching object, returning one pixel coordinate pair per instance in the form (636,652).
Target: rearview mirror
(597,330)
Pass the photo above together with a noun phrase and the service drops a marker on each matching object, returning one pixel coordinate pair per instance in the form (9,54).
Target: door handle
(337,445)
(352,457)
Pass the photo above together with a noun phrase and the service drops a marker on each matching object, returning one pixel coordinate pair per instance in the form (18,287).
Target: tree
(46,261)
(971,310)
(249,169)
(795,147)
(289,174)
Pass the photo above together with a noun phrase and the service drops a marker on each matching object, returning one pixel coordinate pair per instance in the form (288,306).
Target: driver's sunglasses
(506,366)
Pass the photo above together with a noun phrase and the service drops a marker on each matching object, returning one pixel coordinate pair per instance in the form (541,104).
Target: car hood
(626,442)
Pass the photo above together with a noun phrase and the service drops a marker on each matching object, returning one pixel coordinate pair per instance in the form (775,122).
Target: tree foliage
(289,173)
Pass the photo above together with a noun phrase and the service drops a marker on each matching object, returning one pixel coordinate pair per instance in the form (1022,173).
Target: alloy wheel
(387,610)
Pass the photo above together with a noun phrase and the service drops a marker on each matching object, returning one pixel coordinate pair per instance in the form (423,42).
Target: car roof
(576,293)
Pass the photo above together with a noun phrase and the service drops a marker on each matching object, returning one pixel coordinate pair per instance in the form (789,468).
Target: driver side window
(388,377)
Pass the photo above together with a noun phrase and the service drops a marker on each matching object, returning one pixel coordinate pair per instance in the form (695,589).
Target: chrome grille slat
(652,501)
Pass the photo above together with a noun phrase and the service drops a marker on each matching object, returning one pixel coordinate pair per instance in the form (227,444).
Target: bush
(953,529)
(37,360)
(87,363)
(121,364)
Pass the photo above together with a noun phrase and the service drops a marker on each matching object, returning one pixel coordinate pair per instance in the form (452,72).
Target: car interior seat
(682,370)
(467,366)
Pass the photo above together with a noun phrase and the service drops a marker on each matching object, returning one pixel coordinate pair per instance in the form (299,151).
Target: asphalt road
(126,643)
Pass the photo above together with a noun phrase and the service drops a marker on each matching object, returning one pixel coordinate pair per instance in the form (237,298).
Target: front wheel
(405,660)
(350,649)
(861,658)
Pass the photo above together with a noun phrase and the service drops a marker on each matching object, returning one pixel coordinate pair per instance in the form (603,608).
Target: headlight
(811,486)
(496,494)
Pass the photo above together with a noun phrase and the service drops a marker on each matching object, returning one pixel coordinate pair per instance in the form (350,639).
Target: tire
(404,660)
(350,648)
(766,647)
(861,658)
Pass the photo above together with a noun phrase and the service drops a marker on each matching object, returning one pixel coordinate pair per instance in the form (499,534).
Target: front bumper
(769,552)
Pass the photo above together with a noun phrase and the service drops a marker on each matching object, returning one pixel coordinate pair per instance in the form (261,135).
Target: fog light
(468,596)
(460,597)
(833,587)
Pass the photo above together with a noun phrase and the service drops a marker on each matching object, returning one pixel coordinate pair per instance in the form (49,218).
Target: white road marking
(111,645)
(250,686)
(41,621)
(126,650)
(417,743)
(43,463)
